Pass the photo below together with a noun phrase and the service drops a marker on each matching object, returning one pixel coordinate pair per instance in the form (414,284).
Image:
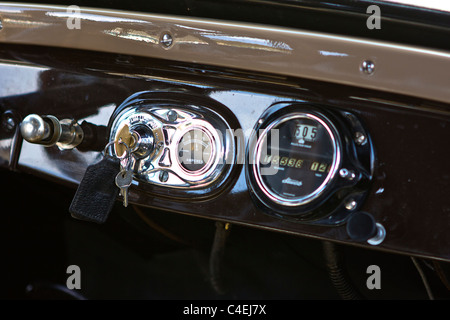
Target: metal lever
(48,131)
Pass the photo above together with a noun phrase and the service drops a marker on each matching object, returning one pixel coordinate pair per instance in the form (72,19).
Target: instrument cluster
(303,162)
(173,143)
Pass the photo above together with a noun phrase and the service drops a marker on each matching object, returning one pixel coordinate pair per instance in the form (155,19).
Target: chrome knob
(48,131)
(34,129)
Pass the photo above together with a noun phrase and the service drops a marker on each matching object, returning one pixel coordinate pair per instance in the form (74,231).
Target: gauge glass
(194,150)
(296,157)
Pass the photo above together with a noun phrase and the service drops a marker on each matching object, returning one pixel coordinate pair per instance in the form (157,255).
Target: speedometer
(296,156)
(307,163)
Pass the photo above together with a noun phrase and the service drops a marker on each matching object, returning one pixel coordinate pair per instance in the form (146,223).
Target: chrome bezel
(147,169)
(214,141)
(296,201)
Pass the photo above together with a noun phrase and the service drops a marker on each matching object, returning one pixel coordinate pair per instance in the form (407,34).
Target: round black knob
(361,226)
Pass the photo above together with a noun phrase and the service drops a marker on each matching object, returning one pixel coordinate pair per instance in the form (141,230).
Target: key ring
(126,153)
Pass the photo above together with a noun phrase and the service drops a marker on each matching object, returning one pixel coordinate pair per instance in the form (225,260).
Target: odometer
(296,157)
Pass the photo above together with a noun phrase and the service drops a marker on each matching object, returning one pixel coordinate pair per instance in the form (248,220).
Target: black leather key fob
(97,192)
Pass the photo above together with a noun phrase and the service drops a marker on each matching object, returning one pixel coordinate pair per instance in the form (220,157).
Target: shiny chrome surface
(34,129)
(71,134)
(48,131)
(397,179)
(299,201)
(162,165)
(261,48)
(379,237)
(215,142)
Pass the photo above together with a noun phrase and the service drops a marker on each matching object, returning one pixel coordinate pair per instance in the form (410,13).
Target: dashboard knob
(361,226)
(34,129)
(48,131)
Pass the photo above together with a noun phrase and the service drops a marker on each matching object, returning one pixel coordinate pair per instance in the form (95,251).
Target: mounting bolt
(166,40)
(367,67)
(347,174)
(360,138)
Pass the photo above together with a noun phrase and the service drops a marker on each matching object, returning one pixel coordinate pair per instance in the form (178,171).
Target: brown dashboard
(358,141)
(407,136)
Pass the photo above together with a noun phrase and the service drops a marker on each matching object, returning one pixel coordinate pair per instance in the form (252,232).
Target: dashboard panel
(303,133)
(391,163)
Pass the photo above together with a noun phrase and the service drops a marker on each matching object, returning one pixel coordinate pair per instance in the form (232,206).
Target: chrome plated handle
(48,130)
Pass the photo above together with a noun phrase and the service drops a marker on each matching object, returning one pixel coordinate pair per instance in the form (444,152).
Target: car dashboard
(129,137)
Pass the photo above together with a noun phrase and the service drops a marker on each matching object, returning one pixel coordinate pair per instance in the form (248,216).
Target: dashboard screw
(166,40)
(10,124)
(347,174)
(8,121)
(367,67)
(163,176)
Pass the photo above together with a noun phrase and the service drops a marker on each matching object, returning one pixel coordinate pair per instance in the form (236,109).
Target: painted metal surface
(399,69)
(409,196)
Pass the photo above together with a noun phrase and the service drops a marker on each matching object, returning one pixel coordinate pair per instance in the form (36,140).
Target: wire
(338,275)
(159,228)
(441,274)
(217,256)
(424,278)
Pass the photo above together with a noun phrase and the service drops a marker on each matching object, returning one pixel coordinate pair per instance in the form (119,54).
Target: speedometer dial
(307,164)
(296,157)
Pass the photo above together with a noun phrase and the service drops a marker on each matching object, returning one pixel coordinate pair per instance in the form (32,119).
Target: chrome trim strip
(399,69)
